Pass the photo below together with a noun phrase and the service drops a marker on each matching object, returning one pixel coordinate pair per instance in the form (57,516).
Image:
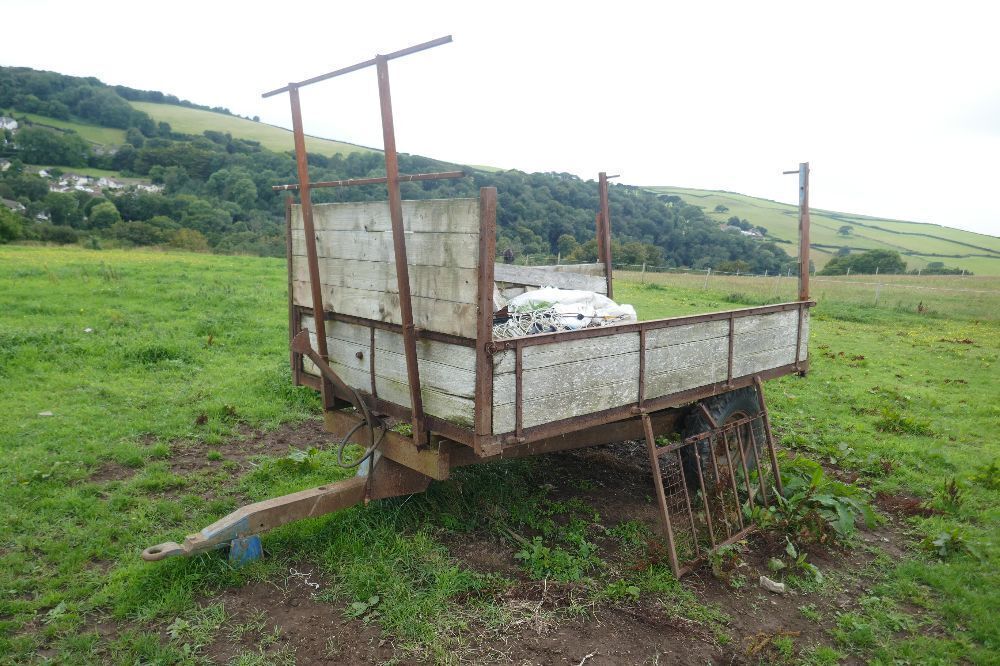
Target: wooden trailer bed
(493,394)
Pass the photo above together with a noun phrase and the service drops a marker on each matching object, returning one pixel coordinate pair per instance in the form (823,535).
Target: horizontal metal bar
(653,324)
(350,182)
(785,173)
(361,65)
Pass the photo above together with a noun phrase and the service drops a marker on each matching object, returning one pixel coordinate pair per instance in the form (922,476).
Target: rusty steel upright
(392,180)
(604,229)
(399,248)
(309,231)
(803,172)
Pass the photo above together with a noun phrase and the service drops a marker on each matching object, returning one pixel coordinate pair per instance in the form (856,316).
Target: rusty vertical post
(483,408)
(292,357)
(399,247)
(309,231)
(661,497)
(803,232)
(605,230)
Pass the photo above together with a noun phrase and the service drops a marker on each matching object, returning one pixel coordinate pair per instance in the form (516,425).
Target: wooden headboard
(357,269)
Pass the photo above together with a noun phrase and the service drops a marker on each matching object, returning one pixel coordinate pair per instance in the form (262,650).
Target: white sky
(896,105)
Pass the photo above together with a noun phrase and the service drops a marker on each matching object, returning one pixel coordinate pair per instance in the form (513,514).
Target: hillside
(919,243)
(197,121)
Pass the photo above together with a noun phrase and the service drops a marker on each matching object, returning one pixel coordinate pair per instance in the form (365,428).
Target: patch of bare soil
(191,457)
(285,619)
(615,480)
(111,471)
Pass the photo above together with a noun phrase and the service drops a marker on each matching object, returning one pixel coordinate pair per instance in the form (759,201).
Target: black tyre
(724,408)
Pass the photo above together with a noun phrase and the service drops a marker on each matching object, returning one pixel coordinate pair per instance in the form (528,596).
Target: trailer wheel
(724,408)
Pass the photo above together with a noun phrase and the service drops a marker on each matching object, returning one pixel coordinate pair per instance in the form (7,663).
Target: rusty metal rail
(708,484)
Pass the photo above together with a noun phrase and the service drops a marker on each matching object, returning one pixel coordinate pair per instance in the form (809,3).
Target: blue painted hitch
(246,550)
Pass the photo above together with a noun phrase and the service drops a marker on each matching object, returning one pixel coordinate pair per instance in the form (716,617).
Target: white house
(8,123)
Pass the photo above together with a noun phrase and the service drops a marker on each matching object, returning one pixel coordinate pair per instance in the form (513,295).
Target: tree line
(217,190)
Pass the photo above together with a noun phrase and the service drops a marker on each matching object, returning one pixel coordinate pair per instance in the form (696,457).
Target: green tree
(189,239)
(104,215)
(64,209)
(37,145)
(845,230)
(11,227)
(869,262)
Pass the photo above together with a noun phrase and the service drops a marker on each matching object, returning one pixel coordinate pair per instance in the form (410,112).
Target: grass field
(104,136)
(919,243)
(132,382)
(196,121)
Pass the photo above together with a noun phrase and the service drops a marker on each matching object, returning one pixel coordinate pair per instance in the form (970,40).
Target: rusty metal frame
(392,180)
(696,516)
(604,230)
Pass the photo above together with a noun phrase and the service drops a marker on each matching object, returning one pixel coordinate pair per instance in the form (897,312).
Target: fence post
(643,278)
(878,288)
(848,272)
(708,272)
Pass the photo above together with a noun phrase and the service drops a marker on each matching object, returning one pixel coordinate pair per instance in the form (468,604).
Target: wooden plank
(428,313)
(583,269)
(674,357)
(556,406)
(486,291)
(423,249)
(568,377)
(766,321)
(433,461)
(540,277)
(539,356)
(455,409)
(676,380)
(748,364)
(457,285)
(758,341)
(425,215)
(678,335)
(346,340)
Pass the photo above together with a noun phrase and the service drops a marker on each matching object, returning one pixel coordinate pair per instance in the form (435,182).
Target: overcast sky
(896,105)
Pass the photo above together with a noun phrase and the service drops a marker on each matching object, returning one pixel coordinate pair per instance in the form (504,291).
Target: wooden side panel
(804,347)
(568,379)
(547,276)
(577,377)
(447,372)
(357,261)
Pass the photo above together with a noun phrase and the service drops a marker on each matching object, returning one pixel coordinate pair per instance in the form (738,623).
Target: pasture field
(145,394)
(919,243)
(278,139)
(103,136)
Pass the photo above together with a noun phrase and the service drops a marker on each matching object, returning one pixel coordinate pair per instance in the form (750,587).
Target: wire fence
(963,295)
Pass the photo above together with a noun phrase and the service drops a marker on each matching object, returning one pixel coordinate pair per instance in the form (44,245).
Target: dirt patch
(111,471)
(615,481)
(286,619)
(903,505)
(191,457)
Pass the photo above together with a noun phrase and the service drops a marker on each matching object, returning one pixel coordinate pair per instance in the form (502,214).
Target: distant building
(8,123)
(15,206)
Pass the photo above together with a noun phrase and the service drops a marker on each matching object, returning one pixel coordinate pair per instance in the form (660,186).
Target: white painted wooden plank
(540,277)
(557,406)
(456,409)
(431,350)
(678,335)
(444,377)
(539,356)
(762,340)
(749,364)
(583,269)
(426,249)
(425,215)
(675,357)
(681,379)
(567,377)
(457,285)
(765,321)
(428,313)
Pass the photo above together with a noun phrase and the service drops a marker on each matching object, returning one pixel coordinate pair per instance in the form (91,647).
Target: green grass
(190,348)
(104,136)
(196,121)
(911,238)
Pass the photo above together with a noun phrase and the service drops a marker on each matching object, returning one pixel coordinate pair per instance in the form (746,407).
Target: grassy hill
(920,243)
(196,121)
(102,136)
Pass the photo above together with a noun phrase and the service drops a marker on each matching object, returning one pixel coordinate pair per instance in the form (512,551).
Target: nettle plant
(814,508)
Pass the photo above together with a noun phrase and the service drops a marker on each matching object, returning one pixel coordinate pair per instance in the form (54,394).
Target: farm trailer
(406,293)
